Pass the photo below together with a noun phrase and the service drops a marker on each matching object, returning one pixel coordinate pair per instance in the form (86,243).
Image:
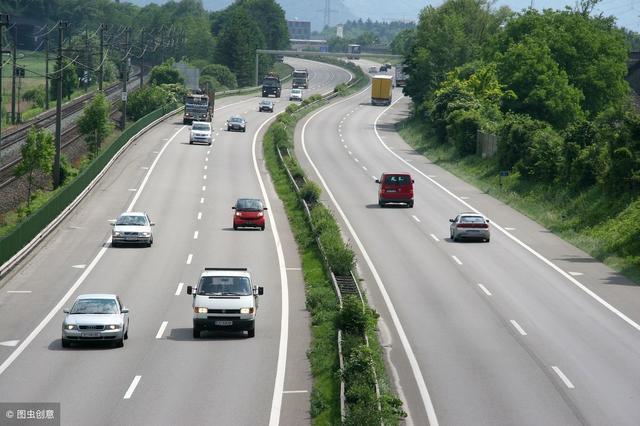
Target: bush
(340,88)
(222,74)
(146,100)
(339,255)
(294,168)
(463,129)
(35,95)
(280,136)
(322,220)
(352,318)
(291,108)
(310,192)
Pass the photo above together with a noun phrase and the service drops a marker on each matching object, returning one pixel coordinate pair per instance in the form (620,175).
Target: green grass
(607,226)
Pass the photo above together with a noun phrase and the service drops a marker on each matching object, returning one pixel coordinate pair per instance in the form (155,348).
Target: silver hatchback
(470,225)
(96,318)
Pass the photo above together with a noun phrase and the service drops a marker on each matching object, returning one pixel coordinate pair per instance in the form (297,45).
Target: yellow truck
(381,86)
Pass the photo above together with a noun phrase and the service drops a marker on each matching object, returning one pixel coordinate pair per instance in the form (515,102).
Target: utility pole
(4,21)
(141,57)
(125,79)
(103,28)
(14,53)
(162,44)
(87,59)
(46,73)
(62,25)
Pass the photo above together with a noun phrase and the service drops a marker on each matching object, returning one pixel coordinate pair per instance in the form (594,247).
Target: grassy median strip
(360,360)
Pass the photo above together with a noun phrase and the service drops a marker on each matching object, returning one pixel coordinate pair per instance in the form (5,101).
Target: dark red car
(249,212)
(395,188)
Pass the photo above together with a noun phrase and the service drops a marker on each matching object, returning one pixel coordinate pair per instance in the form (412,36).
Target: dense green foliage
(94,123)
(368,32)
(69,80)
(37,156)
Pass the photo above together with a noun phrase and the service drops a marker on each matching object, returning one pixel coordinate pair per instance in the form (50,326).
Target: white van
(225,299)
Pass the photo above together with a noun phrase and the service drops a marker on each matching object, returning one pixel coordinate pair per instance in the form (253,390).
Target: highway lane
(499,336)
(191,189)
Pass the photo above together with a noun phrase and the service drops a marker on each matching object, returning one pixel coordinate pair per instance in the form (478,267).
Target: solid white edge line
(564,378)
(415,367)
(486,290)
(415,218)
(458,261)
(179,289)
(296,391)
(58,307)
(515,324)
(278,387)
(511,236)
(132,387)
(161,330)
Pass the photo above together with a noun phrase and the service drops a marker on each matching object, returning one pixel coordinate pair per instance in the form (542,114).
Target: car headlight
(145,234)
(246,310)
(70,327)
(117,233)
(112,327)
(200,310)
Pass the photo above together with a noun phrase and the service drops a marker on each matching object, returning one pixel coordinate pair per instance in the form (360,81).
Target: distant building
(309,45)
(299,30)
(340,31)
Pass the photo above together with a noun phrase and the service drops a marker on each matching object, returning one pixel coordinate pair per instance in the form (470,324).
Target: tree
(541,87)
(403,42)
(165,74)
(222,74)
(69,80)
(95,124)
(37,155)
(146,100)
(238,41)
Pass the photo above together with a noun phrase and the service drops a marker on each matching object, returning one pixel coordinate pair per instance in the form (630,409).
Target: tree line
(550,84)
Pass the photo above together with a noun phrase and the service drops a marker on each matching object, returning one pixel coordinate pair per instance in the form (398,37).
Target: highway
(163,376)
(524,330)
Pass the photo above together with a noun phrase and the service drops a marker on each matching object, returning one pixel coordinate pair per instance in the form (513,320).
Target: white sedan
(96,318)
(132,228)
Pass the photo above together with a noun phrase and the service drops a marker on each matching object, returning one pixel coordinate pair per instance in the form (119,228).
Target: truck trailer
(381,87)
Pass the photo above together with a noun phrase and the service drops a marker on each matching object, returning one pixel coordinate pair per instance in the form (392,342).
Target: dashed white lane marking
(189,259)
(161,330)
(564,378)
(208,152)
(132,189)
(201,200)
(144,168)
(79,266)
(415,218)
(19,291)
(345,145)
(510,229)
(356,160)
(206,167)
(156,152)
(464,198)
(457,260)
(294,269)
(206,159)
(517,327)
(576,274)
(364,168)
(349,152)
(373,177)
(204,177)
(199,215)
(132,387)
(195,235)
(179,289)
(296,391)
(486,290)
(433,176)
(434,237)
(204,188)
(10,343)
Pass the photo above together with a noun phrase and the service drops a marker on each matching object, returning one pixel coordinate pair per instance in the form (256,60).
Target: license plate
(91,334)
(391,190)
(223,322)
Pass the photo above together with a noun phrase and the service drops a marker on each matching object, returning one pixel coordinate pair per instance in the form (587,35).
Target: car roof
(133,214)
(236,117)
(396,173)
(201,122)
(96,296)
(266,101)
(225,273)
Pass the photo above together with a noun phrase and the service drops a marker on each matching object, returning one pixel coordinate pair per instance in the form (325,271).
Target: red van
(395,188)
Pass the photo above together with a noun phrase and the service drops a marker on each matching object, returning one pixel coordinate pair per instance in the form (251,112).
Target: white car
(96,318)
(201,133)
(132,228)
(295,95)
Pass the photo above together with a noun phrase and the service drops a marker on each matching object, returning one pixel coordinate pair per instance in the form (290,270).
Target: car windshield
(130,220)
(248,204)
(200,127)
(472,219)
(296,91)
(236,120)
(266,102)
(397,180)
(95,306)
(238,286)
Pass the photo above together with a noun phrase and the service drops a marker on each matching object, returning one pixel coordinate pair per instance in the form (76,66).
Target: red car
(249,213)
(395,188)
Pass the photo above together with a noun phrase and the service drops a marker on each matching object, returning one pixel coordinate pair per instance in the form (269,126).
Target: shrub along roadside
(362,363)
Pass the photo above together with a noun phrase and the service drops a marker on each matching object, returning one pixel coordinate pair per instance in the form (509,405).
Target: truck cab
(271,86)
(224,299)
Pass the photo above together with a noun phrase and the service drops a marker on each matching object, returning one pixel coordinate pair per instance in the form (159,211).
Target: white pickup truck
(225,299)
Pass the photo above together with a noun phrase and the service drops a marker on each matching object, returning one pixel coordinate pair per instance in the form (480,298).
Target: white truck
(400,76)
(225,299)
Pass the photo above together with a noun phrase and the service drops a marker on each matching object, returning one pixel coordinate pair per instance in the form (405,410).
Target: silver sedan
(470,225)
(96,318)
(132,228)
